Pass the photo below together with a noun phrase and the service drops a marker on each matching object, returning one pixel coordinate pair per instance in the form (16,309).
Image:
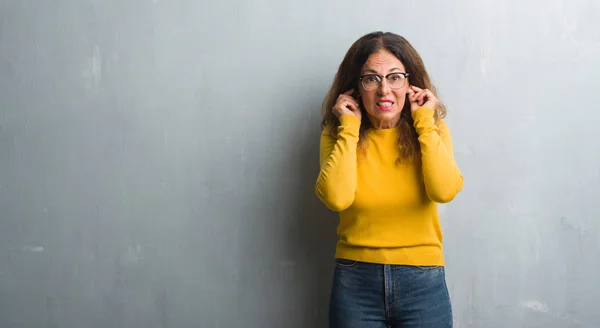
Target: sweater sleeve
(442,177)
(336,183)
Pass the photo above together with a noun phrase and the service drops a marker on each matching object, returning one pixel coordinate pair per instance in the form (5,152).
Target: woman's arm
(336,184)
(443,180)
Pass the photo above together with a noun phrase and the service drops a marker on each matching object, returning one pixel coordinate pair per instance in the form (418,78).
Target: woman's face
(384,104)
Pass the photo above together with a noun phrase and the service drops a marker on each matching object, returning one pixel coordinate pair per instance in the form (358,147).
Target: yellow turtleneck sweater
(388,211)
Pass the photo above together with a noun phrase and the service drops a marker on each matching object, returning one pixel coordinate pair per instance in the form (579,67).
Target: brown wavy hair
(346,79)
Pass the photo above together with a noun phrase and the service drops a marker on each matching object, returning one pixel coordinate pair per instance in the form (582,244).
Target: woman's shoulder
(442,128)
(329,129)
(441,124)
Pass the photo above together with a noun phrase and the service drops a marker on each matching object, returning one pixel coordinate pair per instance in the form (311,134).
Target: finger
(420,98)
(349,92)
(417,95)
(411,94)
(415,88)
(352,105)
(423,98)
(429,95)
(345,96)
(344,105)
(350,99)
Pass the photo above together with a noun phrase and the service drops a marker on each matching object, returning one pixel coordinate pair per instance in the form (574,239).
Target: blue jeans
(367,295)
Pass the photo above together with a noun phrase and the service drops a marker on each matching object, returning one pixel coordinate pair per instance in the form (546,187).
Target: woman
(386,161)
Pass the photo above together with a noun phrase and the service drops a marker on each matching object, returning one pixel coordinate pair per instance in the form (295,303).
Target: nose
(384,87)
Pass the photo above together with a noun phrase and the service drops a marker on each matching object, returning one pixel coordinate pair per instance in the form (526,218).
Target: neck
(384,124)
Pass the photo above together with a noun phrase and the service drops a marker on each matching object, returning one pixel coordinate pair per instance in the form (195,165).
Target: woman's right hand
(347,105)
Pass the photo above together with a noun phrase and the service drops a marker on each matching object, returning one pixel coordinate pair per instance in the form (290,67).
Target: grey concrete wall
(158,159)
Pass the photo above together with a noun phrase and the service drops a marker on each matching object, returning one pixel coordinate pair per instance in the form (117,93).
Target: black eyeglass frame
(380,78)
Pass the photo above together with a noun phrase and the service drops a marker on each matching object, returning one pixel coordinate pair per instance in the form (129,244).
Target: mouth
(384,104)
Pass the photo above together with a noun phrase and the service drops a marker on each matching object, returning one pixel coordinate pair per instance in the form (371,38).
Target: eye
(371,79)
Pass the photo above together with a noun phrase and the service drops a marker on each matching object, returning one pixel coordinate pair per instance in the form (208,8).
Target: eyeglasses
(371,82)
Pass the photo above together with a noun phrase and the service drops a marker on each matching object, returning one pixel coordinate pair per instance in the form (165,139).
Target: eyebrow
(369,70)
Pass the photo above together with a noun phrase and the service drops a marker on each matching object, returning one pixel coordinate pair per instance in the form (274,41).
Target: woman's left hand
(421,98)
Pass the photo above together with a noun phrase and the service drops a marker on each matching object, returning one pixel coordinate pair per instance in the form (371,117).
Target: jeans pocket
(344,263)
(430,267)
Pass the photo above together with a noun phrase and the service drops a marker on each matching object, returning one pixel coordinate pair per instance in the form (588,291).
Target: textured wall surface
(158,159)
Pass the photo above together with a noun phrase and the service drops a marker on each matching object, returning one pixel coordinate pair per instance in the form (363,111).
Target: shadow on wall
(287,239)
(313,237)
